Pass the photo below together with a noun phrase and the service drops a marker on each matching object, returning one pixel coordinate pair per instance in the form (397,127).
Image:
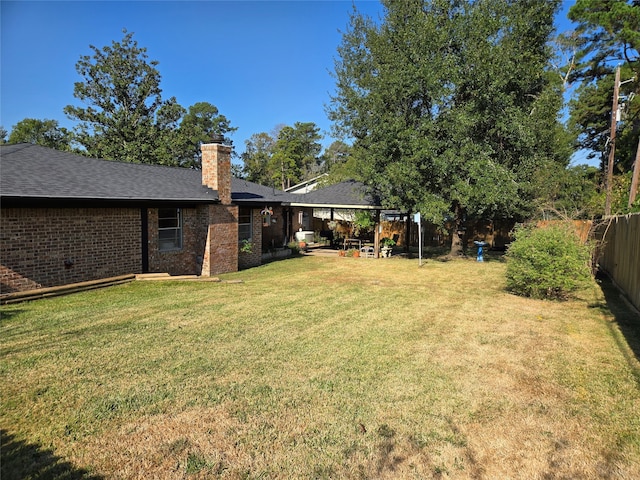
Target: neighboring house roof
(35,172)
(349,194)
(307,185)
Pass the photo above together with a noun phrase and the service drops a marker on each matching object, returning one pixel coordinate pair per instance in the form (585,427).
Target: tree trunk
(457,244)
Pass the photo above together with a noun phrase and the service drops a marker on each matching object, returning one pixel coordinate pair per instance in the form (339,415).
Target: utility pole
(612,142)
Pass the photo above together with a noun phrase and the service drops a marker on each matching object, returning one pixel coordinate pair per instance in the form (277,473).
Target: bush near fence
(582,227)
(620,253)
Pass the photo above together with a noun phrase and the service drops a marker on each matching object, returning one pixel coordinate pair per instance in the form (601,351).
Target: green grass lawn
(320,368)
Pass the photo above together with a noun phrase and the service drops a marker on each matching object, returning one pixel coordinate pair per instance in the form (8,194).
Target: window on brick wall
(245,224)
(169,229)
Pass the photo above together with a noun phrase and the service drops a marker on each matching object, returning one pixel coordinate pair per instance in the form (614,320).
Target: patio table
(351,243)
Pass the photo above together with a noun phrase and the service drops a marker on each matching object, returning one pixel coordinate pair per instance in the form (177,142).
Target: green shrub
(246,246)
(549,262)
(295,247)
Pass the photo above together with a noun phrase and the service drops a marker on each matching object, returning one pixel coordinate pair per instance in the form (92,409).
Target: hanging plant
(363,223)
(267,213)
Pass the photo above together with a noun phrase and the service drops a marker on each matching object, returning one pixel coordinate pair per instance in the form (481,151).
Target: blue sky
(262,63)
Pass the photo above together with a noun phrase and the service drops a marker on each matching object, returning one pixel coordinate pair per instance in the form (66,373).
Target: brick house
(65,218)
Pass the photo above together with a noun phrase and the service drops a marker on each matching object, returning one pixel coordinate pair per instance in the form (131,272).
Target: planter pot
(356,254)
(342,253)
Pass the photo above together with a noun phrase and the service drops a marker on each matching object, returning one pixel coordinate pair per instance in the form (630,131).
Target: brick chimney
(216,168)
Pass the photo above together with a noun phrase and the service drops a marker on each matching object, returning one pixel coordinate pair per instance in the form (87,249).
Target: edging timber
(166,277)
(16,297)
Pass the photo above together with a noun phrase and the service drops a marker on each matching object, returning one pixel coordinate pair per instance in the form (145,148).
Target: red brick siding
(221,249)
(253,259)
(36,242)
(216,170)
(105,242)
(188,259)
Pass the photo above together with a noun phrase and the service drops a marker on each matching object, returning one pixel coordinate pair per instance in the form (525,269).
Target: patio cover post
(376,236)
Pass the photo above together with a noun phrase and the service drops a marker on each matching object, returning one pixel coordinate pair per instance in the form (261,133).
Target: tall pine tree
(125,117)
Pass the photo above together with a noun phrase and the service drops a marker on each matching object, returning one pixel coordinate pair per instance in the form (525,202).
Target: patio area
(364,249)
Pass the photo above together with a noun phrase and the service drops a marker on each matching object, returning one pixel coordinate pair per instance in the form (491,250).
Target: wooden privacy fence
(620,253)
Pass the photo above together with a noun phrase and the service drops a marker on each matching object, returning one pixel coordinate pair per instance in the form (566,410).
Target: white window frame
(245,229)
(169,229)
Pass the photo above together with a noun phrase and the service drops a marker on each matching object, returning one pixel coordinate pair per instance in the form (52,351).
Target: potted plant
(387,246)
(294,247)
(246,246)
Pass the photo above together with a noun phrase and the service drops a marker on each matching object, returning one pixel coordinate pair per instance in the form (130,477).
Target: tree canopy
(339,164)
(47,133)
(125,117)
(607,35)
(451,105)
(290,155)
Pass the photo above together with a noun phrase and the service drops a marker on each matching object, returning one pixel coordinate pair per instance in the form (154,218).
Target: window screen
(169,229)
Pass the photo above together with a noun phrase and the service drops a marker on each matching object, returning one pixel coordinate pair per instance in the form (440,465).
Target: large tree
(338,163)
(258,151)
(201,121)
(607,35)
(126,118)
(121,88)
(296,153)
(47,133)
(289,155)
(450,105)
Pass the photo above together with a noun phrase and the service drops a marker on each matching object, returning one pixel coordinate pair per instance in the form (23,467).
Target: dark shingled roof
(33,172)
(36,172)
(341,195)
(246,192)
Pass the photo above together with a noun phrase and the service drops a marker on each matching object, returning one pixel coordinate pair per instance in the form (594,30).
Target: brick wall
(253,259)
(45,247)
(221,247)
(209,242)
(187,260)
(216,169)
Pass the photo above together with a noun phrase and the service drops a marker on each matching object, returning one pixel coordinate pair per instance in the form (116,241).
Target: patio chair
(367,252)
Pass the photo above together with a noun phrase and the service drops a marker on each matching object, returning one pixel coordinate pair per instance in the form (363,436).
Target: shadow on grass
(442,254)
(7,313)
(19,460)
(627,320)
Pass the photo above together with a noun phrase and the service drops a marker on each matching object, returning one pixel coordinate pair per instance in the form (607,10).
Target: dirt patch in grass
(198,441)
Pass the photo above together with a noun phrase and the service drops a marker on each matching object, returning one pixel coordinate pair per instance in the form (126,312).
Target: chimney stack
(216,168)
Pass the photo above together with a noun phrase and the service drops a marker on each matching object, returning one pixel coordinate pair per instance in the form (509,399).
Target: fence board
(620,253)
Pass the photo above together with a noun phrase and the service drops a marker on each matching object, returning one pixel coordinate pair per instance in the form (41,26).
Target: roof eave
(335,205)
(29,199)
